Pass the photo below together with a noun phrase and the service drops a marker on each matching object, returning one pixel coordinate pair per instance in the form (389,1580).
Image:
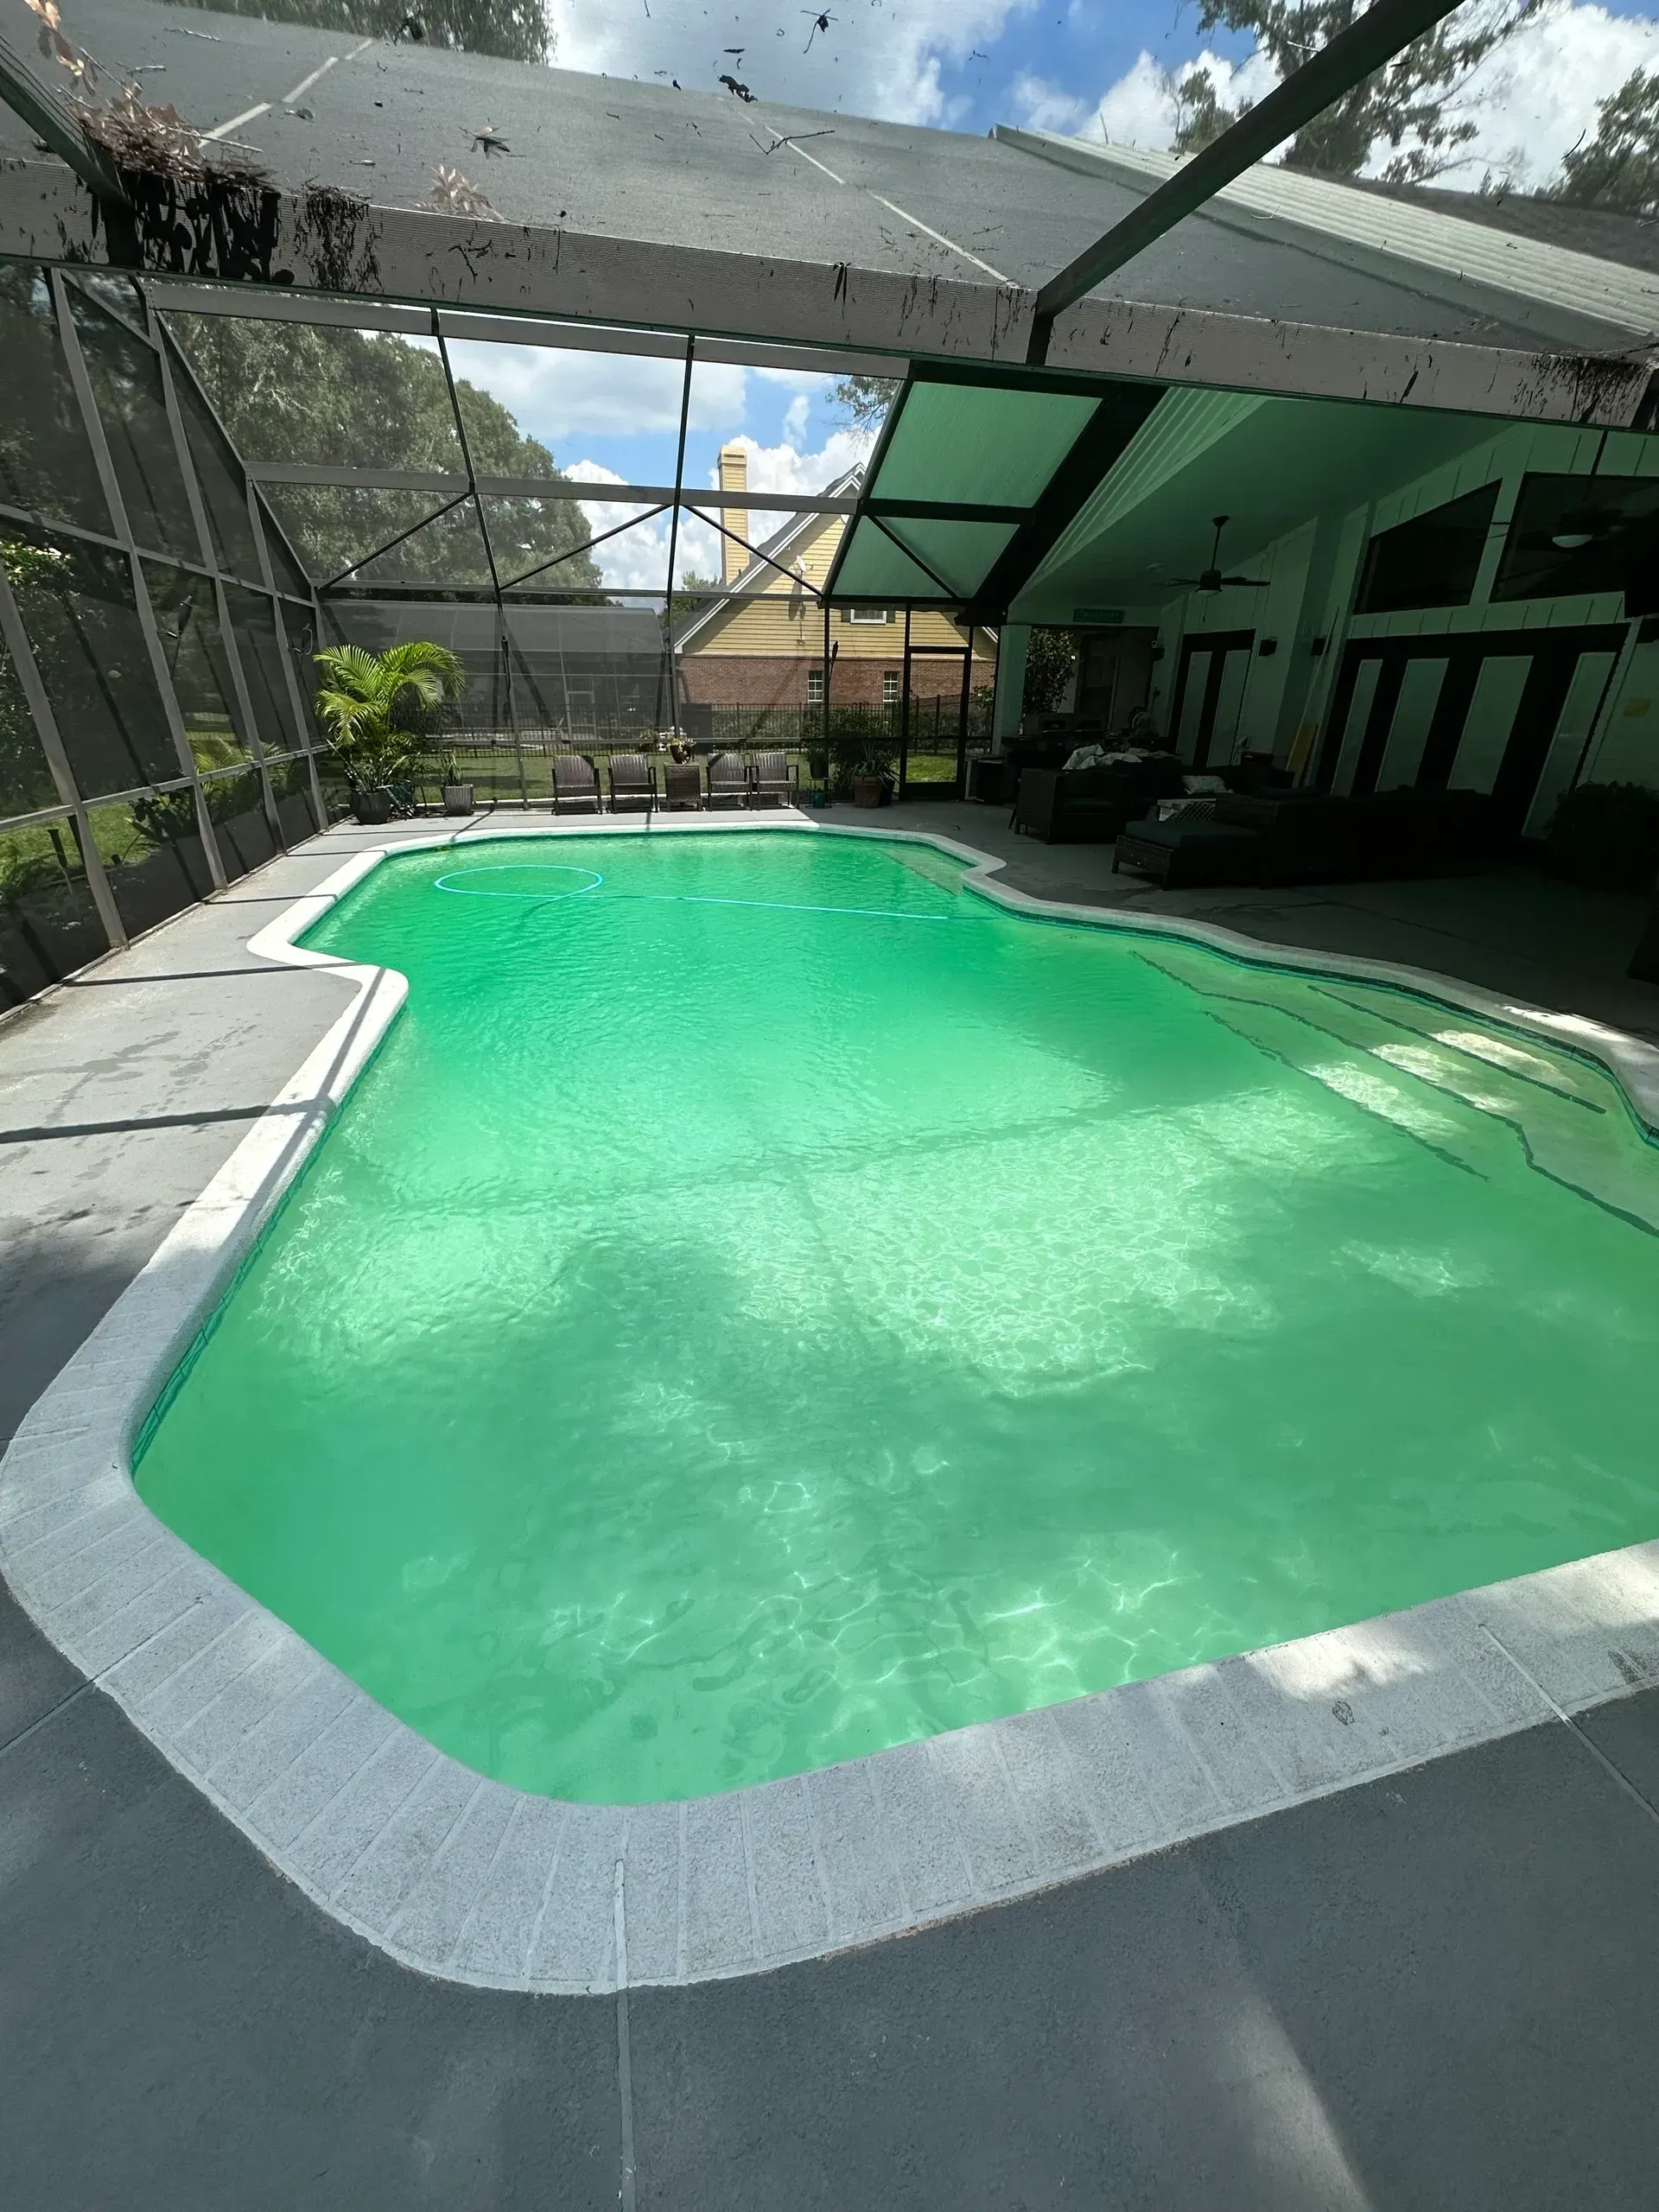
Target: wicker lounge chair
(770,784)
(576,784)
(633,783)
(728,780)
(682,784)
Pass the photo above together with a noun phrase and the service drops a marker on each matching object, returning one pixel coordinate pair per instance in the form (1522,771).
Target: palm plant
(375,708)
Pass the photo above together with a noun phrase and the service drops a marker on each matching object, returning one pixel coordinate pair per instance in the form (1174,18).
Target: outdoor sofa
(1306,837)
(1069,806)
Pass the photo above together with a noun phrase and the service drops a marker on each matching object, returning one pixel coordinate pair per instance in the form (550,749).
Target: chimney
(733,477)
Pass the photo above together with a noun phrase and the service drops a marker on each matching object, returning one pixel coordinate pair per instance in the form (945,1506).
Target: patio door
(934,693)
(1209,695)
(1509,713)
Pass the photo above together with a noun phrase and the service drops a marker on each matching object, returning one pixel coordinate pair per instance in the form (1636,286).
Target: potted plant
(457,795)
(873,779)
(375,709)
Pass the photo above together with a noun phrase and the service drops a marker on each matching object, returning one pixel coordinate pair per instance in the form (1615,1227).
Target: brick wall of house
(754,680)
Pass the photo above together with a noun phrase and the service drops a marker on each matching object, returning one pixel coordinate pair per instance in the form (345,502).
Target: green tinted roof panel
(960,554)
(980,443)
(874,568)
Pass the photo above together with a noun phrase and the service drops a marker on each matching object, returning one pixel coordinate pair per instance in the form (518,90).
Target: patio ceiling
(1269,464)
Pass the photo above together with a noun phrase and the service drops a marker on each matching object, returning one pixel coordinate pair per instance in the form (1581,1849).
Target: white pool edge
(473,1881)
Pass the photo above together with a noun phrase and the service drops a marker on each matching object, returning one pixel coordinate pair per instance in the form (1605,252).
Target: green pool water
(765,1302)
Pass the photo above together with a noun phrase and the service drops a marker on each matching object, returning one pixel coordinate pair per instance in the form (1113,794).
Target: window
(1574,534)
(889,687)
(1431,561)
(815,687)
(187,620)
(869,615)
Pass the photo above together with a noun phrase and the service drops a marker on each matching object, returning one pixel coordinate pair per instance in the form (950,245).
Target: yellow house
(764,647)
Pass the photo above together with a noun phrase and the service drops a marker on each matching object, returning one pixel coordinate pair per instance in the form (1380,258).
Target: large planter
(371,808)
(870,790)
(458,798)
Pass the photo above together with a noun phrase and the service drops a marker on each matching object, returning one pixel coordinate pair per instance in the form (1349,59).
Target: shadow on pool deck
(1433,1991)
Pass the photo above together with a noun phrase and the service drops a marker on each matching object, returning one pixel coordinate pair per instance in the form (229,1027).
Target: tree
(1200,118)
(1051,663)
(26,783)
(308,392)
(686,605)
(1410,105)
(864,400)
(1620,166)
(518,31)
(377,709)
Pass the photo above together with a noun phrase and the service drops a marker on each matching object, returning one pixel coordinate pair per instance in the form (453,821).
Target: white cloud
(1042,106)
(1139,110)
(637,559)
(558,394)
(786,468)
(1530,101)
(882,59)
(1536,96)
(795,416)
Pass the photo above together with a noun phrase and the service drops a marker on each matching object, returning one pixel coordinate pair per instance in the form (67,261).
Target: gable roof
(760,578)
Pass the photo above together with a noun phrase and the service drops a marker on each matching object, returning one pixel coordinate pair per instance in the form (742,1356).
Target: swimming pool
(766,1303)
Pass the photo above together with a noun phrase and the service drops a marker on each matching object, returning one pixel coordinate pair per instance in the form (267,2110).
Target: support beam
(466,445)
(673,673)
(560,487)
(1354,54)
(58,128)
(404,255)
(1012,644)
(1123,410)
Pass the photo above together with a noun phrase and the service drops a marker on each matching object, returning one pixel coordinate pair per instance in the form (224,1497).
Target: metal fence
(923,754)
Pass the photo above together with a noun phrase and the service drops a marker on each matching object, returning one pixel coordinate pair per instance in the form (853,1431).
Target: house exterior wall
(759,652)
(1311,576)
(779,680)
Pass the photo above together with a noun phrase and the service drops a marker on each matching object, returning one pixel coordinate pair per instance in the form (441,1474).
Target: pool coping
(474,1881)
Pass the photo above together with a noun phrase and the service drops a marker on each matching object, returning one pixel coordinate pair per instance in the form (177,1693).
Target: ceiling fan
(1211,579)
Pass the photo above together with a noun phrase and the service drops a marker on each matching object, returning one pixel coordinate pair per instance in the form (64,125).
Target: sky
(966,65)
(614,418)
(1091,67)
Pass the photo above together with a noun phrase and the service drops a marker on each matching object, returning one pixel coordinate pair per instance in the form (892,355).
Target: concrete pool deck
(116,1115)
